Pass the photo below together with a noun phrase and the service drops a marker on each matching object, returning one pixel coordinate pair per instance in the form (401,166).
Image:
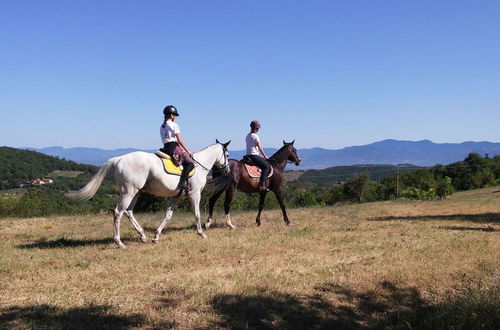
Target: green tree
(444,187)
(355,187)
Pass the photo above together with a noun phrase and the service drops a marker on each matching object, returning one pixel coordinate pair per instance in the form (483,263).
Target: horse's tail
(91,188)
(221,183)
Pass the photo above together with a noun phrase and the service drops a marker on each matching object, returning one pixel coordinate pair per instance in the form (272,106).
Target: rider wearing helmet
(174,146)
(254,152)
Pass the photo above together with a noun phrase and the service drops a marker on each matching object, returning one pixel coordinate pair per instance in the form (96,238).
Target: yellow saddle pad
(169,165)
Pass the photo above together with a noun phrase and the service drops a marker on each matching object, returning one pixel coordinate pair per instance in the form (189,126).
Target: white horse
(141,171)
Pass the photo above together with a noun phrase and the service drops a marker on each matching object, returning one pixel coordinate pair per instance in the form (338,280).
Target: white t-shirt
(252,140)
(168,132)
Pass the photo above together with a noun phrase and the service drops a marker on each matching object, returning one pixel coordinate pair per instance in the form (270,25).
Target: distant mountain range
(420,153)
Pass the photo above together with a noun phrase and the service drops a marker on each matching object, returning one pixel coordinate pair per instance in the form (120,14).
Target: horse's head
(222,163)
(292,153)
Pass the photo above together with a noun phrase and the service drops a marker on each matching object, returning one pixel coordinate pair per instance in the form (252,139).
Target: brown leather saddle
(252,169)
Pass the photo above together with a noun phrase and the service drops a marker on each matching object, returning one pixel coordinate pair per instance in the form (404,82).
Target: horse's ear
(226,144)
(292,142)
(217,141)
(284,143)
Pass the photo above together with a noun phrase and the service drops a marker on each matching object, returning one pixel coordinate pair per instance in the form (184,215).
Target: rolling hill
(17,166)
(393,152)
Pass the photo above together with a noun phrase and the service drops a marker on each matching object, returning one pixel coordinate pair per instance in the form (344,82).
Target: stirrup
(183,188)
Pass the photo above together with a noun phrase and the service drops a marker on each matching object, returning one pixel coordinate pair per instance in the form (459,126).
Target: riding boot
(183,181)
(263,184)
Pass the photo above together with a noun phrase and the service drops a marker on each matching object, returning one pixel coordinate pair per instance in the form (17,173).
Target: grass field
(396,264)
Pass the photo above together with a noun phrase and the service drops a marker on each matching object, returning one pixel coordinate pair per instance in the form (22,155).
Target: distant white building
(39,182)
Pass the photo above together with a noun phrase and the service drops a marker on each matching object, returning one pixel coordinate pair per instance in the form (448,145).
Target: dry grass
(400,264)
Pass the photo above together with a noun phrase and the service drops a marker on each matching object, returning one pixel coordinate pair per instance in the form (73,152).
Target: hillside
(338,174)
(21,199)
(393,152)
(17,166)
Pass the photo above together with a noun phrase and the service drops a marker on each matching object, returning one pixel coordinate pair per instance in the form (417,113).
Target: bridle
(296,157)
(226,162)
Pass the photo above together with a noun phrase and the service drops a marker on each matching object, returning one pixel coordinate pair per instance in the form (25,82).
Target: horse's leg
(195,204)
(279,196)
(261,206)
(130,214)
(168,216)
(120,208)
(211,203)
(227,206)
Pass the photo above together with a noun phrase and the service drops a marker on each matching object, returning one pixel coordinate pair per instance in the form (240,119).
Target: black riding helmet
(255,124)
(170,109)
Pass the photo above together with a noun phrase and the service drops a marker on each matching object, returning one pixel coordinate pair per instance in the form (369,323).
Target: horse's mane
(278,156)
(205,148)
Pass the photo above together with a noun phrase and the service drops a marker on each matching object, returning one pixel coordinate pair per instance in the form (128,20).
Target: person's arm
(181,143)
(259,146)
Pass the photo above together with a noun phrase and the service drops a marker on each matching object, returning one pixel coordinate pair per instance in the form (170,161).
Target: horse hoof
(204,236)
(207,225)
(144,239)
(122,247)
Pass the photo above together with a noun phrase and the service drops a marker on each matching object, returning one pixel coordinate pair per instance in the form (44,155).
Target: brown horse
(239,178)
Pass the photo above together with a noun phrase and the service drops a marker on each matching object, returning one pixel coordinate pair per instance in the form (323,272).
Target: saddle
(169,165)
(252,169)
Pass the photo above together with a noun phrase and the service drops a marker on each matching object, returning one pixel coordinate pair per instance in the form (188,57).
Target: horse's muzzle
(298,162)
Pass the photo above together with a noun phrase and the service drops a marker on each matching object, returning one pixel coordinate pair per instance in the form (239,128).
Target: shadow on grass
(483,217)
(68,243)
(152,229)
(486,229)
(51,317)
(334,307)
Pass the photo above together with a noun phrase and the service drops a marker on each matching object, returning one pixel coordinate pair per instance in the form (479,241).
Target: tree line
(434,182)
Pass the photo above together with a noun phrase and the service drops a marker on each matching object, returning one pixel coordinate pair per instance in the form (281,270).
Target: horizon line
(350,146)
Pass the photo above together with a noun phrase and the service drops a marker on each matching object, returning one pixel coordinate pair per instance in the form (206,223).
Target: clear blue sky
(328,74)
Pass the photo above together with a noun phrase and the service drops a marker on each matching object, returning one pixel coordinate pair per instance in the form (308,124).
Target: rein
(219,169)
(197,162)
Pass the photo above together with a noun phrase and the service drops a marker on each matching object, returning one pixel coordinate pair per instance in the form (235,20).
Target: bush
(306,199)
(8,206)
(444,187)
(420,194)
